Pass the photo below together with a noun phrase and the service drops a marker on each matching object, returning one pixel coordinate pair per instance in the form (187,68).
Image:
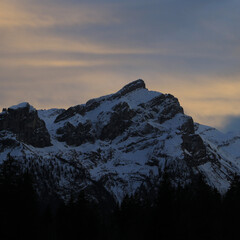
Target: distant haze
(59,53)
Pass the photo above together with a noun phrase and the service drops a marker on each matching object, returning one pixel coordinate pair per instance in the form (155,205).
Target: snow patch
(22,105)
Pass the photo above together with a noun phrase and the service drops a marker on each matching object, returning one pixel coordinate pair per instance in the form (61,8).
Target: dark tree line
(18,209)
(196,211)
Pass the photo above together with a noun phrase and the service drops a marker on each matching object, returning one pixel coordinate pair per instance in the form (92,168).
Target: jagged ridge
(116,144)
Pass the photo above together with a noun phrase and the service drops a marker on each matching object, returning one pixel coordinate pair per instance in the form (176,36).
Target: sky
(60,53)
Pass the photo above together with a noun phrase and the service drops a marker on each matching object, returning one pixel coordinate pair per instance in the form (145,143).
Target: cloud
(232,124)
(57,53)
(31,43)
(54,63)
(46,14)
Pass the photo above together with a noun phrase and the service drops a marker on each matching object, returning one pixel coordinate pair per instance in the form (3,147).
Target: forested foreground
(194,212)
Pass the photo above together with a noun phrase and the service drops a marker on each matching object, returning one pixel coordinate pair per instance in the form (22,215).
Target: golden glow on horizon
(41,63)
(28,13)
(26,28)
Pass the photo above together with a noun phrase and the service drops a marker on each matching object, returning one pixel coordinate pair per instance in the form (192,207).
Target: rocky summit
(116,145)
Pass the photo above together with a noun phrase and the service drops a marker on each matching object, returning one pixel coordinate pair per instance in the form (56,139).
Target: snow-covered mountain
(116,144)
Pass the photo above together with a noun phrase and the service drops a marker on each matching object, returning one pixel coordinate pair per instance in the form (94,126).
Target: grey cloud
(171,38)
(197,36)
(232,124)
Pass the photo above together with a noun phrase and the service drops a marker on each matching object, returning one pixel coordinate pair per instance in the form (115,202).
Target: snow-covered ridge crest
(94,103)
(117,144)
(22,105)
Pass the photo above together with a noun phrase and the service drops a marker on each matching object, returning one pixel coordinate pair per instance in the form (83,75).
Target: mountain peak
(121,142)
(94,103)
(22,105)
(132,86)
(23,121)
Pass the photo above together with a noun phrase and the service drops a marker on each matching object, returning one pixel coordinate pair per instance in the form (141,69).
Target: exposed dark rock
(197,152)
(171,107)
(79,109)
(193,143)
(76,135)
(152,162)
(68,128)
(119,121)
(124,111)
(92,104)
(165,104)
(156,101)
(70,112)
(27,126)
(138,84)
(188,126)
(8,143)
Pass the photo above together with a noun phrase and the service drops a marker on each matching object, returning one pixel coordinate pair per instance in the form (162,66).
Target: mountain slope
(115,145)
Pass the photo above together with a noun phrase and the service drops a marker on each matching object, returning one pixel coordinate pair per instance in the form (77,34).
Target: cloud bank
(61,53)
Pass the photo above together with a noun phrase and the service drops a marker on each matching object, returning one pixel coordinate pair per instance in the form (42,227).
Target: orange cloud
(208,102)
(27,13)
(54,63)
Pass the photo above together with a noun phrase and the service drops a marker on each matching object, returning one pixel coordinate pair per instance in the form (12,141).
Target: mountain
(116,145)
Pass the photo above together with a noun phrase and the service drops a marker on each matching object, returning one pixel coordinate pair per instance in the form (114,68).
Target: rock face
(23,120)
(76,135)
(116,145)
(120,120)
(94,103)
